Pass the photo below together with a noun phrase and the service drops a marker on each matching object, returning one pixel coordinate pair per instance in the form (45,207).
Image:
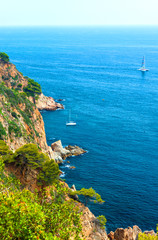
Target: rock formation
(47,103)
(61,153)
(91,227)
(128,233)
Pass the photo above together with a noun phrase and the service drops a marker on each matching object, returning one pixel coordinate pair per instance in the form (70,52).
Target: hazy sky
(79,12)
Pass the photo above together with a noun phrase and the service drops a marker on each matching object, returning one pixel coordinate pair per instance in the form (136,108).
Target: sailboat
(70,123)
(143,69)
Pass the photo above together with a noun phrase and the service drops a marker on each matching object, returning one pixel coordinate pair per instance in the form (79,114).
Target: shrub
(102,221)
(4,149)
(4,57)
(49,172)
(14,114)
(33,88)
(2,131)
(13,127)
(88,194)
(13,84)
(15,78)
(19,85)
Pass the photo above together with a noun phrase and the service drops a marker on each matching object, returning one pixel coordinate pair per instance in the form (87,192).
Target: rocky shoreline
(47,103)
(128,233)
(60,153)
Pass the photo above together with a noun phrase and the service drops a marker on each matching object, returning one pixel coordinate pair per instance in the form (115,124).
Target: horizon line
(98,25)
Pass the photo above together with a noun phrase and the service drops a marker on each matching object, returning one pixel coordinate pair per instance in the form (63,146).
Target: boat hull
(71,124)
(143,70)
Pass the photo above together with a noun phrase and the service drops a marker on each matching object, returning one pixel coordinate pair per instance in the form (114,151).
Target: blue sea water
(115,107)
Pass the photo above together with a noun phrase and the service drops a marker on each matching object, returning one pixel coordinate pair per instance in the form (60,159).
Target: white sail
(143,69)
(70,123)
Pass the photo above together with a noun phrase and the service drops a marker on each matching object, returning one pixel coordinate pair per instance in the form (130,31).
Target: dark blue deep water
(85,66)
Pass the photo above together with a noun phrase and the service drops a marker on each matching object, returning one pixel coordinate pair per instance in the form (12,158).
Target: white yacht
(143,69)
(70,123)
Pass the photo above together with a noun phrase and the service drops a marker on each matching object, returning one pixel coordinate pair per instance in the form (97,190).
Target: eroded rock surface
(128,233)
(61,153)
(47,103)
(91,226)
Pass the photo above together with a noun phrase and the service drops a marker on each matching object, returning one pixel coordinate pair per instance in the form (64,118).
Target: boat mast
(143,63)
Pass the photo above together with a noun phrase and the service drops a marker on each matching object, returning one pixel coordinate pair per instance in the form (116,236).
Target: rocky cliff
(20,119)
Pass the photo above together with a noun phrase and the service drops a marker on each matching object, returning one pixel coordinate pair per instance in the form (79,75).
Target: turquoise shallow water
(85,66)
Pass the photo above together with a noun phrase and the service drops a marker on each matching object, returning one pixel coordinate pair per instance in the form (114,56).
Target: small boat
(70,123)
(143,69)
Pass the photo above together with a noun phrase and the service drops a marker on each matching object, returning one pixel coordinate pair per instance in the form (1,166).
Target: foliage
(102,221)
(15,98)
(15,78)
(143,236)
(13,84)
(25,215)
(88,194)
(5,153)
(13,127)
(19,85)
(2,131)
(4,57)
(4,149)
(49,172)
(29,156)
(14,114)
(33,88)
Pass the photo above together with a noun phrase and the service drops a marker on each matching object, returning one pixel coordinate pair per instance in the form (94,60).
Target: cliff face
(11,76)
(20,119)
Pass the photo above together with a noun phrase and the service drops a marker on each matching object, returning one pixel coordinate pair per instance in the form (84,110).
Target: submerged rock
(72,167)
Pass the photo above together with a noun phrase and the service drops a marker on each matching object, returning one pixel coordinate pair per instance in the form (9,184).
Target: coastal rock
(111,235)
(128,233)
(61,153)
(74,150)
(75,197)
(47,103)
(151,232)
(72,167)
(91,227)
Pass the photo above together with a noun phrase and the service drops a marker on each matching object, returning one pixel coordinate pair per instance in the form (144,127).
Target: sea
(94,71)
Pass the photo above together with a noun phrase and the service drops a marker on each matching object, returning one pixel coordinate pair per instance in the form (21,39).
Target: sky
(78,12)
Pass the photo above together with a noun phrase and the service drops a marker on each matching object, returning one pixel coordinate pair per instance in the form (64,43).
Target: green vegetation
(14,114)
(4,149)
(15,78)
(143,236)
(102,221)
(14,98)
(2,131)
(40,215)
(33,88)
(88,194)
(29,156)
(19,85)
(48,173)
(4,57)
(13,127)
